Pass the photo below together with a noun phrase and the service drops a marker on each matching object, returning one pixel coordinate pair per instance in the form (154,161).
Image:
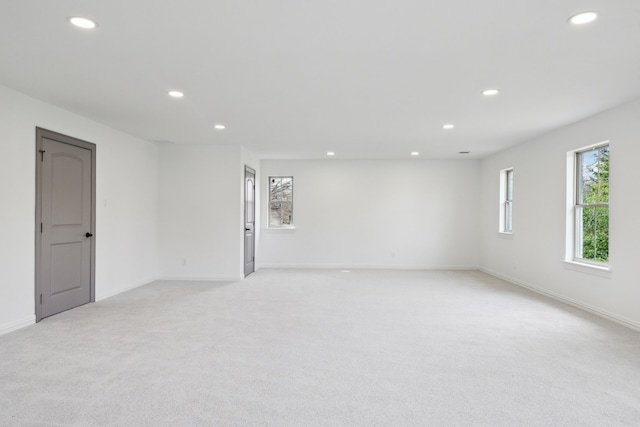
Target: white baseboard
(370,267)
(109,294)
(18,324)
(203,278)
(629,323)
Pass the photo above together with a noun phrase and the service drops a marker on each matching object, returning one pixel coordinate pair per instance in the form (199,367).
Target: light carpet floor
(323,348)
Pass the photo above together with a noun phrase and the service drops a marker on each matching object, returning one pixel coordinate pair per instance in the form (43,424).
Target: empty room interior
(319,213)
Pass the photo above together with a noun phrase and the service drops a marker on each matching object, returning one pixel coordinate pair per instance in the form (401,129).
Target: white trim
(203,278)
(596,270)
(123,289)
(279,230)
(629,323)
(371,267)
(506,235)
(18,324)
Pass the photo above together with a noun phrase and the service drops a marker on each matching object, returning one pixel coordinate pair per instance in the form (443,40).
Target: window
(280,201)
(590,210)
(506,201)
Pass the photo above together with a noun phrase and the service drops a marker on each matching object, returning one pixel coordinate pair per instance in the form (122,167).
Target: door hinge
(41,227)
(42,155)
(41,299)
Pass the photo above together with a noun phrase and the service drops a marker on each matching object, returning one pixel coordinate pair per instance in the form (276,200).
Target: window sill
(595,270)
(279,230)
(505,235)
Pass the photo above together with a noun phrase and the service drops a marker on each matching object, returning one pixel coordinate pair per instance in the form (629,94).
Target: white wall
(127,194)
(534,256)
(201,212)
(376,213)
(159,205)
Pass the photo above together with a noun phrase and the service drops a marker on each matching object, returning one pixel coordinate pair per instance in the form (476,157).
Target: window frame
(270,203)
(574,234)
(505,225)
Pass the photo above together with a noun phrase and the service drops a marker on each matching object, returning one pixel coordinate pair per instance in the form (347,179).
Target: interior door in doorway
(249,220)
(64,223)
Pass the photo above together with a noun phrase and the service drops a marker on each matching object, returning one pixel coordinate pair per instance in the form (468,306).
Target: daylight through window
(506,201)
(280,201)
(592,205)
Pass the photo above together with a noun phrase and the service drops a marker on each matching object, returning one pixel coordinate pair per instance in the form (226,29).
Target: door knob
(88,234)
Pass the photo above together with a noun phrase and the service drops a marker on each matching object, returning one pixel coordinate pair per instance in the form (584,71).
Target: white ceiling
(295,79)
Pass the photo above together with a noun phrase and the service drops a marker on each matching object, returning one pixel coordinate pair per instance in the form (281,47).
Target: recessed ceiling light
(490,92)
(583,18)
(219,126)
(330,153)
(448,126)
(176,94)
(415,153)
(82,22)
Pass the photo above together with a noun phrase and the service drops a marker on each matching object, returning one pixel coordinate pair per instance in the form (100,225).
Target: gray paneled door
(65,223)
(249,220)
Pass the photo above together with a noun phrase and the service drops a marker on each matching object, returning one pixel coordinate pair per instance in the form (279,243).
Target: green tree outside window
(592,207)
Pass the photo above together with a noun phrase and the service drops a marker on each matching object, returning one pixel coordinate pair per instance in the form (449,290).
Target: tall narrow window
(506,201)
(280,201)
(591,206)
